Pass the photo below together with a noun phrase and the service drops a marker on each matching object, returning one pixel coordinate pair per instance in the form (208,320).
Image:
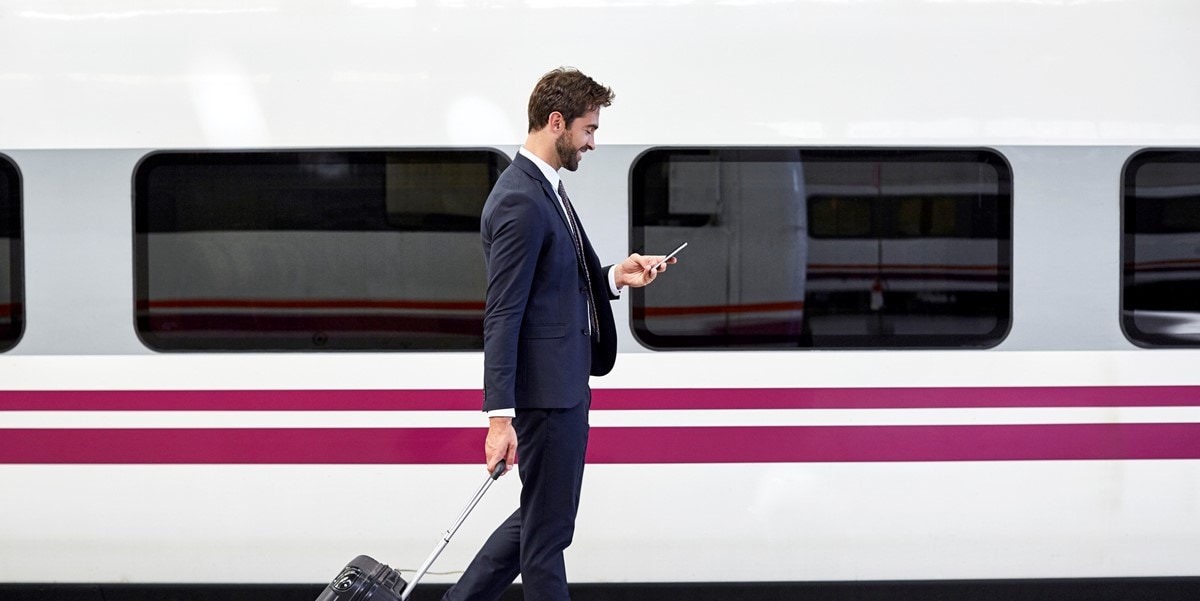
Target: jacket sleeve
(513,234)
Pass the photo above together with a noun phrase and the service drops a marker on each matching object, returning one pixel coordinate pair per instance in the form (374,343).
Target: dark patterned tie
(577,237)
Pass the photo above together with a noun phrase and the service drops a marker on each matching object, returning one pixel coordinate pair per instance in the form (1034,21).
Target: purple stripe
(607,445)
(240,446)
(897,398)
(606,399)
(895,443)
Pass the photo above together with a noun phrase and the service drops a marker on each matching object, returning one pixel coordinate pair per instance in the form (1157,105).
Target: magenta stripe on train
(657,445)
(606,399)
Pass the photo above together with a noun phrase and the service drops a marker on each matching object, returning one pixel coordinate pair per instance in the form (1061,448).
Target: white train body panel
(1064,91)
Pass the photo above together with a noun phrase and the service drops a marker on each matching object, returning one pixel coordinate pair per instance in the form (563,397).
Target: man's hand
(637,271)
(501,443)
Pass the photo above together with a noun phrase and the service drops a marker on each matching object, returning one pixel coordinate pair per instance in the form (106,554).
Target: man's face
(578,138)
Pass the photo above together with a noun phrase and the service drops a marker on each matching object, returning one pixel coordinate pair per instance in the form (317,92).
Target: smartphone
(668,257)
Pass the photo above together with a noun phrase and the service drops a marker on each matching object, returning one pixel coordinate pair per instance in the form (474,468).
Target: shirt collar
(550,172)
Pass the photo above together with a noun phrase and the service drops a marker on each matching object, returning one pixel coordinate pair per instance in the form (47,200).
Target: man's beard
(568,155)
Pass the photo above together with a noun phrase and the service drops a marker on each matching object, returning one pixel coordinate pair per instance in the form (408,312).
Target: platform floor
(1118,589)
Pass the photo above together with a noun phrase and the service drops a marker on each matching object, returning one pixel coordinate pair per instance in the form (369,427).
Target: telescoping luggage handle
(450,533)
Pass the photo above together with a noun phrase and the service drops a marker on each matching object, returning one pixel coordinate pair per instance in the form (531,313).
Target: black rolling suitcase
(364,579)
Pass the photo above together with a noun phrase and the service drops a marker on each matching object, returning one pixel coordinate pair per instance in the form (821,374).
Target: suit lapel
(551,196)
(526,165)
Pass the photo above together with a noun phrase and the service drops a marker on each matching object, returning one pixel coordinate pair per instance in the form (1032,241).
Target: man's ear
(556,122)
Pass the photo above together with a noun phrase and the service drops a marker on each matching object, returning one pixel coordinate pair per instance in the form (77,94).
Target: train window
(12,278)
(311,250)
(1160,249)
(825,248)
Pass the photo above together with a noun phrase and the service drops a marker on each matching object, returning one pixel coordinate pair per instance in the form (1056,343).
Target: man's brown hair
(566,91)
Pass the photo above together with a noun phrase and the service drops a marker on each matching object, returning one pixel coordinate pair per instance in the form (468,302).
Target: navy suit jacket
(537,354)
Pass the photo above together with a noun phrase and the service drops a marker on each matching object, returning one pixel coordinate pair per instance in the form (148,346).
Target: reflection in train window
(12,275)
(312,250)
(1160,248)
(824,248)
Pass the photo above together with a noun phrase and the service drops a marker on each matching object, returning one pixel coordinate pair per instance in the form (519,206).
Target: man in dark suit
(547,327)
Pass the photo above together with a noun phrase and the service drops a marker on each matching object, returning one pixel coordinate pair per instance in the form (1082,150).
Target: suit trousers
(551,448)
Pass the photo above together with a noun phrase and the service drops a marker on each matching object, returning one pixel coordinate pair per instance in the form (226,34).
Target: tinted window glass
(1160,284)
(311,250)
(12,280)
(825,248)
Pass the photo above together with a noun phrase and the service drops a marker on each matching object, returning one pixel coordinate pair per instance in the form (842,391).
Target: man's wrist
(615,282)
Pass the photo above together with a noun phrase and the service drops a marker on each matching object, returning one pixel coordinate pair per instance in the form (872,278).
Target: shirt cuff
(612,282)
(510,412)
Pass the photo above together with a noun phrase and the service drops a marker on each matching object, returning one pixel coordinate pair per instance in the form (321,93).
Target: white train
(937,321)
